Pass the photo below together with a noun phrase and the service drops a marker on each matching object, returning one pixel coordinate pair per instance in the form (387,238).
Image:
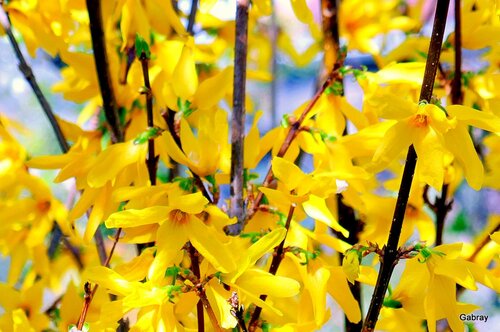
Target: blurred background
(293,86)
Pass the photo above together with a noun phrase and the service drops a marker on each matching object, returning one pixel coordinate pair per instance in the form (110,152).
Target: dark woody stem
(102,68)
(442,206)
(152,159)
(278,255)
(192,16)
(346,214)
(195,267)
(390,257)
(237,206)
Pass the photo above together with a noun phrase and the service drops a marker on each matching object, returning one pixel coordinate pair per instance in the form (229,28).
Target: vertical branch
(346,215)
(390,257)
(330,24)
(192,16)
(238,116)
(152,159)
(195,267)
(274,64)
(278,255)
(441,205)
(102,69)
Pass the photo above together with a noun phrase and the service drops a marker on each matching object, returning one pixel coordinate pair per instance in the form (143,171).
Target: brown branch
(442,207)
(294,130)
(278,255)
(102,68)
(346,215)
(152,159)
(390,258)
(195,267)
(237,206)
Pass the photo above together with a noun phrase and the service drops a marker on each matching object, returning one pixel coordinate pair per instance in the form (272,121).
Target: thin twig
(292,133)
(278,255)
(192,17)
(30,78)
(390,258)
(152,159)
(237,206)
(168,116)
(102,69)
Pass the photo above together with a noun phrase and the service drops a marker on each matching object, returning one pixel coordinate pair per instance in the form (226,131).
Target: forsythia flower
(433,132)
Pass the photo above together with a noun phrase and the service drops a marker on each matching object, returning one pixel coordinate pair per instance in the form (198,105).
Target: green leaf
(142,50)
(186,184)
(150,133)
(184,107)
(460,224)
(391,303)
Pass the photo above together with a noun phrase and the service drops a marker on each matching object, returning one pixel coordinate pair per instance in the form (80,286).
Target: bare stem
(195,267)
(278,255)
(192,16)
(390,258)
(102,69)
(152,160)
(294,130)
(442,207)
(237,206)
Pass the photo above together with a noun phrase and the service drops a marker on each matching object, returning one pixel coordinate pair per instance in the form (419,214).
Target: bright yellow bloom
(179,224)
(433,132)
(22,309)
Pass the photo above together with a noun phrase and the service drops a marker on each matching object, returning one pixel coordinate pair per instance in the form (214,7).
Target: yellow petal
(205,240)
(461,146)
(191,203)
(213,89)
(340,291)
(132,218)
(113,160)
(430,164)
(185,78)
(397,139)
(316,208)
(169,239)
(475,118)
(261,282)
(302,12)
(107,278)
(288,173)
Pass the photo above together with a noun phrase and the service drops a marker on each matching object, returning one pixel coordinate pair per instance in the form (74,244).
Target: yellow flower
(433,132)
(179,223)
(23,309)
(437,276)
(203,154)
